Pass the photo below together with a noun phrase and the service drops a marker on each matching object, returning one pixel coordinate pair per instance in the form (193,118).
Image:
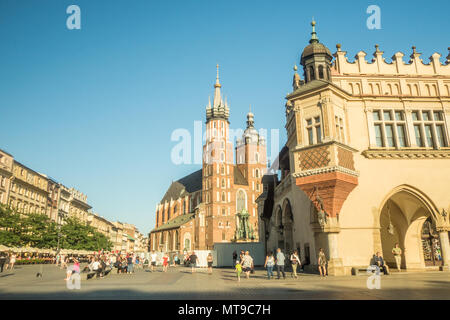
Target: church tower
(252,163)
(217,165)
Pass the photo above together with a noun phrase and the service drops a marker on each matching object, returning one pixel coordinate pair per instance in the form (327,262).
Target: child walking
(238,270)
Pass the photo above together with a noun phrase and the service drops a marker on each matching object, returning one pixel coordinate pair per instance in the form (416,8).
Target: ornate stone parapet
(423,153)
(378,65)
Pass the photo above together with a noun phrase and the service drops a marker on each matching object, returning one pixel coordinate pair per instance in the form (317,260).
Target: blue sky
(95,108)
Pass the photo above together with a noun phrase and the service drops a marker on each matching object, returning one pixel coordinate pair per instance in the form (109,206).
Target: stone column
(445,249)
(335,264)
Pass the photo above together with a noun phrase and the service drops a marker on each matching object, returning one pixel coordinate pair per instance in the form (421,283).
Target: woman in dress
(322,262)
(12,261)
(165,262)
(209,259)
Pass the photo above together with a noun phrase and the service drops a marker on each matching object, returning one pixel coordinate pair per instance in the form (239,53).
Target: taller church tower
(217,167)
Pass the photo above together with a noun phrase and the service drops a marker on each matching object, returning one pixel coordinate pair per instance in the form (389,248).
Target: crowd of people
(244,263)
(103,263)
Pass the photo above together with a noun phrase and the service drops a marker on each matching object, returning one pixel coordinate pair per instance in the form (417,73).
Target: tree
(37,230)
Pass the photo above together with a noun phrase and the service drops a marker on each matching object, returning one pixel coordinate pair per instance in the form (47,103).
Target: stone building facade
(368,161)
(6,169)
(28,190)
(218,202)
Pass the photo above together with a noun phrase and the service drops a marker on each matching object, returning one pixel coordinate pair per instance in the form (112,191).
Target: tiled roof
(175,223)
(189,183)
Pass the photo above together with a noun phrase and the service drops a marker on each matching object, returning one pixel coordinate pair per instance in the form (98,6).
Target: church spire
(250,119)
(219,108)
(314,38)
(217,86)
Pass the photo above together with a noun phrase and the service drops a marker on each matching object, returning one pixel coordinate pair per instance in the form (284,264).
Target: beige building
(78,206)
(28,190)
(6,169)
(367,161)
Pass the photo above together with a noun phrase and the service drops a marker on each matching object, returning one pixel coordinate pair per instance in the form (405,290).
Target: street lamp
(60,217)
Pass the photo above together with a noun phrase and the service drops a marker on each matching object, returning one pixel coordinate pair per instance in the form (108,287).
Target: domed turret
(316,59)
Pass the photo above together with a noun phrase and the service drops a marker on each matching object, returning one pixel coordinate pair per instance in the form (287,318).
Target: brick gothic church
(207,206)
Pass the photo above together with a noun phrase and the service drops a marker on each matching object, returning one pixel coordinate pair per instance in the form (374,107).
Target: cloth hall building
(216,203)
(366,163)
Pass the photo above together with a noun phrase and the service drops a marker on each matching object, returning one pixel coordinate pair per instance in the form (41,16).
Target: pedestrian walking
(397,252)
(280,261)
(322,263)
(269,263)
(2,260)
(234,257)
(153,257)
(209,259)
(247,264)
(165,262)
(238,269)
(193,260)
(129,264)
(295,262)
(12,261)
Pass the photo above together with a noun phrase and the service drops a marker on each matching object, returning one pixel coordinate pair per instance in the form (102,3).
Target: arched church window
(311,73)
(223,197)
(222,169)
(257,157)
(240,203)
(223,183)
(222,156)
(320,72)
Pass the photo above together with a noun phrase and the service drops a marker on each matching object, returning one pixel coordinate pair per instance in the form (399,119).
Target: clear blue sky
(95,108)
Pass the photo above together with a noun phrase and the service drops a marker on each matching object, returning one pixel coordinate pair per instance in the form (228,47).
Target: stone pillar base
(336,267)
(445,267)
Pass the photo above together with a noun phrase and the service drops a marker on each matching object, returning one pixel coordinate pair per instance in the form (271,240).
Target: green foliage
(38,231)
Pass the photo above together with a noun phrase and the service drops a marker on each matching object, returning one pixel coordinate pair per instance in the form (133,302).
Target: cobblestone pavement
(179,283)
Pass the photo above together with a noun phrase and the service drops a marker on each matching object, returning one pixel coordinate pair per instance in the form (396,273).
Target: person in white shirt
(295,262)
(153,258)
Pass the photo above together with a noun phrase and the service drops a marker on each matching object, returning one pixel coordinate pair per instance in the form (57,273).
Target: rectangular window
(415,115)
(401,136)
(390,135)
(399,115)
(387,115)
(429,135)
(418,133)
(438,116)
(379,135)
(318,134)
(425,116)
(376,115)
(440,135)
(310,136)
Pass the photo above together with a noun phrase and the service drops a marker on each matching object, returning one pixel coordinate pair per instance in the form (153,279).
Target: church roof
(189,183)
(175,222)
(239,177)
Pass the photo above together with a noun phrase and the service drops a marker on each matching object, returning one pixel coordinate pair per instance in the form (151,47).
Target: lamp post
(60,217)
